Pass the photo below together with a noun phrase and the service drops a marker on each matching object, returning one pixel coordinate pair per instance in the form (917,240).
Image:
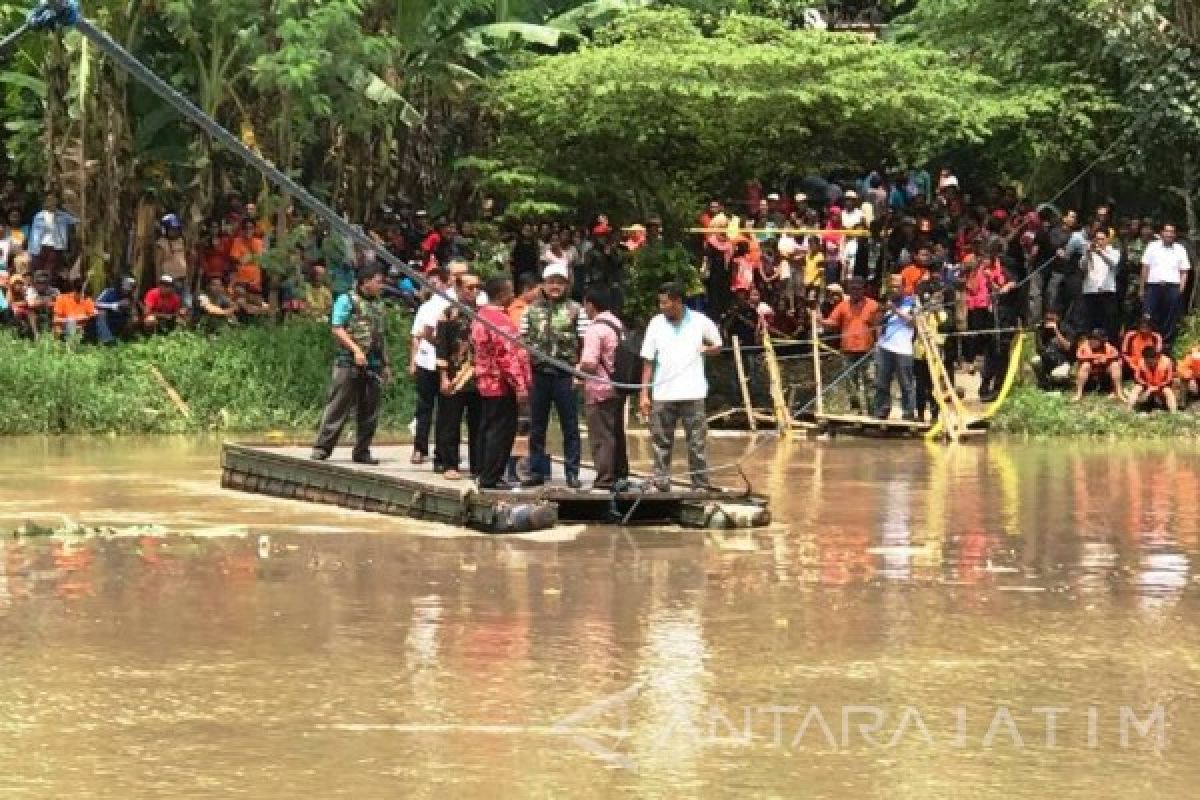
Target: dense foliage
(251,379)
(667,112)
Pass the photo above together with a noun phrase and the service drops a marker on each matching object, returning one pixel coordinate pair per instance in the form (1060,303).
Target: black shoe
(574,483)
(910,417)
(533,482)
(498,486)
(368,459)
(438,469)
(319,455)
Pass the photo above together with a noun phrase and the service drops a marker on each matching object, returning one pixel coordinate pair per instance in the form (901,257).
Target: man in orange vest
(1099,364)
(1152,381)
(1137,340)
(1189,375)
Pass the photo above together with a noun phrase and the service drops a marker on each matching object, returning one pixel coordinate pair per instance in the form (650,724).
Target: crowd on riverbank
(1097,289)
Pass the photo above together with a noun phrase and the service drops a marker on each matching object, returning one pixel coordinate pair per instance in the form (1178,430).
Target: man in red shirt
(502,377)
(1153,381)
(162,307)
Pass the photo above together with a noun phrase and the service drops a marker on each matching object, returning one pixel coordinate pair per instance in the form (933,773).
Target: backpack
(627,359)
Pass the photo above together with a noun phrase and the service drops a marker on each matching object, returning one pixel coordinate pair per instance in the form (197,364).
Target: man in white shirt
(675,386)
(1164,266)
(423,368)
(894,353)
(1100,284)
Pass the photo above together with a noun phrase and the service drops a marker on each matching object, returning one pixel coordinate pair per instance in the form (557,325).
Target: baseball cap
(773,196)
(850,194)
(167,279)
(834,287)
(554,271)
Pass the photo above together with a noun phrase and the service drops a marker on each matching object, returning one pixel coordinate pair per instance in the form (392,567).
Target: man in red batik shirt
(502,378)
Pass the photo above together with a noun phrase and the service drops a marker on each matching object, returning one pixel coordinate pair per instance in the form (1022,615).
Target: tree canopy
(656,112)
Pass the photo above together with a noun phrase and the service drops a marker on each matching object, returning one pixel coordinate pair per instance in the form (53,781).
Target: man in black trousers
(456,382)
(362,368)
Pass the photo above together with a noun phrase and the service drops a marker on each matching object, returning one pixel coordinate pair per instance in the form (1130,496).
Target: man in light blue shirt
(49,238)
(894,353)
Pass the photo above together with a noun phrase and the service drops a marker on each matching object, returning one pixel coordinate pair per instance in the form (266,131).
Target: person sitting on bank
(74,313)
(1137,340)
(1099,366)
(1153,382)
(603,403)
(674,385)
(502,378)
(217,309)
(116,311)
(250,305)
(318,297)
(1189,376)
(361,370)
(1052,363)
(40,298)
(162,307)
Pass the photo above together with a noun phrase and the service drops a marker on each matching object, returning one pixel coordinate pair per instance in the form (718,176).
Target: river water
(900,632)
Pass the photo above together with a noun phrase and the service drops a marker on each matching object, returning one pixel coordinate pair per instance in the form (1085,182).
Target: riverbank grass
(246,379)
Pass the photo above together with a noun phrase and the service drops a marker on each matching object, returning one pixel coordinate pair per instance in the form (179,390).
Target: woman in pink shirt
(977,288)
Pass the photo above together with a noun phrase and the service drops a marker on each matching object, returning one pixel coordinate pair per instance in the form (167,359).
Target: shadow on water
(238,644)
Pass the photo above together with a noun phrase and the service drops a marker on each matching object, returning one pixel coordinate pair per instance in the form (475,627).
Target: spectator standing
(1165,264)
(422,367)
(40,298)
(245,251)
(894,355)
(675,386)
(361,370)
(456,383)
(554,326)
(502,378)
(854,318)
(604,404)
(170,253)
(49,238)
(1101,303)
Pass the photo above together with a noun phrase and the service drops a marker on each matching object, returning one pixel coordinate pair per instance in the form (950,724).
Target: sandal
(417,458)
(451,475)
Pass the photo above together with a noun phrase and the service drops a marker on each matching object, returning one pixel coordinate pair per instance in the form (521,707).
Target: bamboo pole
(741,373)
(783,417)
(816,357)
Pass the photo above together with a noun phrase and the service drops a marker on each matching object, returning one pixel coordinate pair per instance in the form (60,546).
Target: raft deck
(399,488)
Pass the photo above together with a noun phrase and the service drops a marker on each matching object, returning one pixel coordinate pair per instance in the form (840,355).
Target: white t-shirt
(851,218)
(428,316)
(1166,264)
(1101,275)
(675,351)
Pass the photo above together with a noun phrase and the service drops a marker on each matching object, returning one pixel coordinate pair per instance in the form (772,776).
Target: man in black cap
(363,366)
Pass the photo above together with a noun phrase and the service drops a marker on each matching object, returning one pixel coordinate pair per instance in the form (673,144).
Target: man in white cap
(553,327)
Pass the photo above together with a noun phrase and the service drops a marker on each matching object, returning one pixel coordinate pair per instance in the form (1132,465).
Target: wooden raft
(398,488)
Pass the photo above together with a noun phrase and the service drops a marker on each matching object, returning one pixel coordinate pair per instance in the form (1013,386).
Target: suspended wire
(339,225)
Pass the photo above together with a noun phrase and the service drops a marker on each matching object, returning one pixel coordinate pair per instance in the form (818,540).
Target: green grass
(251,379)
(1032,412)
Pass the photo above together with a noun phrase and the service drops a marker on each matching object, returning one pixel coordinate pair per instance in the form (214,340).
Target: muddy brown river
(1006,620)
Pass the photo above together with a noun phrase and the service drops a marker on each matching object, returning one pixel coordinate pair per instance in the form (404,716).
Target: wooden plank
(872,422)
(741,373)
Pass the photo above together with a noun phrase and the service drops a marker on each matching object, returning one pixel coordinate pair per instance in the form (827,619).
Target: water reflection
(384,658)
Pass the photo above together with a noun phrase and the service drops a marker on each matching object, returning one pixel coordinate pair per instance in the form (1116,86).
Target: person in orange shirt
(854,317)
(1099,364)
(245,251)
(74,312)
(916,272)
(1152,381)
(1189,375)
(1136,341)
